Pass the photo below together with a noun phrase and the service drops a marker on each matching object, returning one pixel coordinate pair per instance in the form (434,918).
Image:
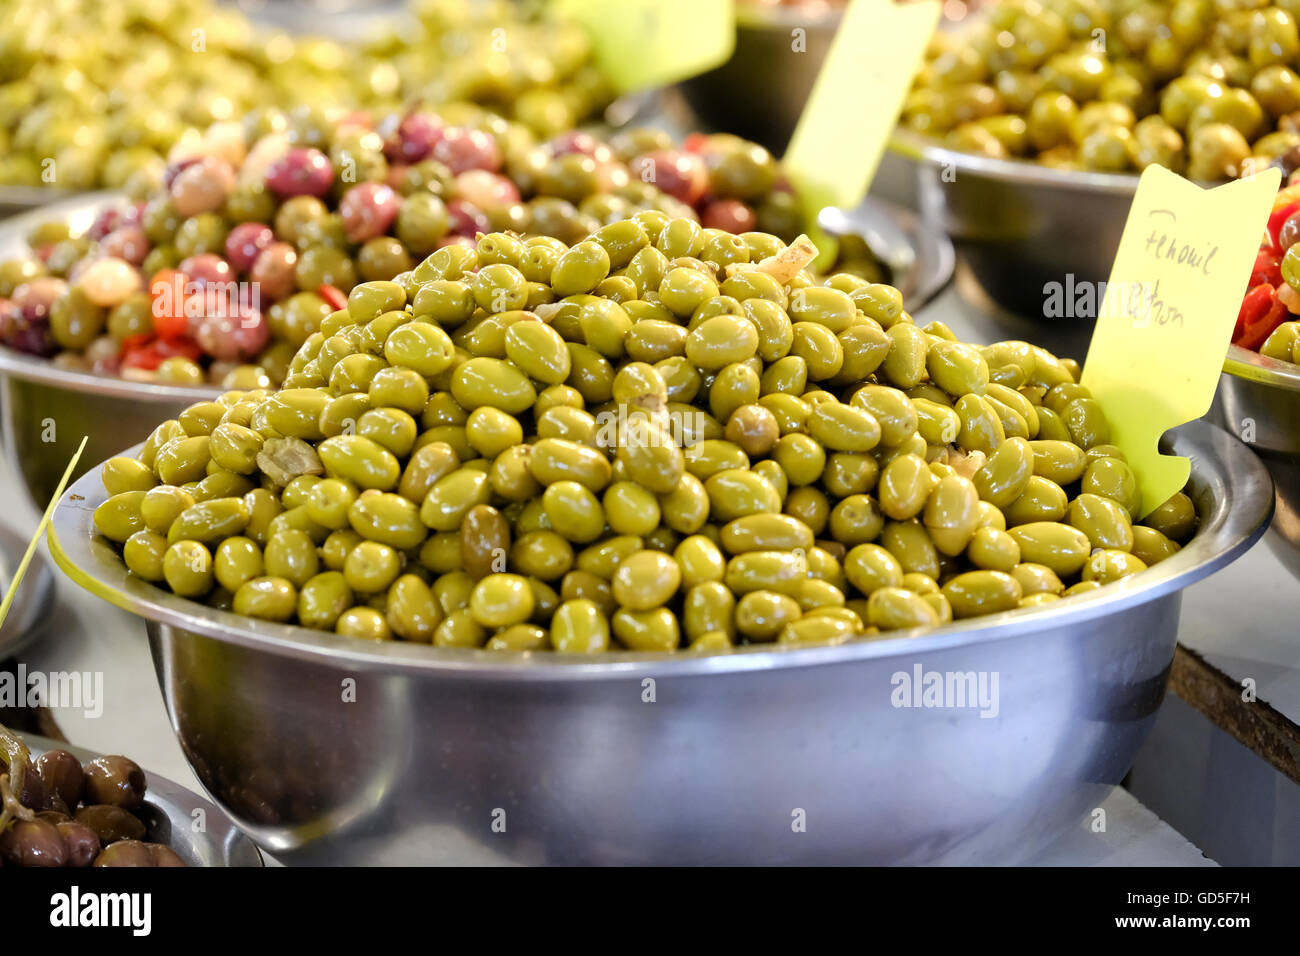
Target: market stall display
(469,463)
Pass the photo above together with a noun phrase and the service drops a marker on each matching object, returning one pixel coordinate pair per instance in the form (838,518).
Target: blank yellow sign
(851,111)
(640,44)
(1174,293)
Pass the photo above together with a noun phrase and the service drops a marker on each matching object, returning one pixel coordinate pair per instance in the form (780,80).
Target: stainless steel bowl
(1259,400)
(46,410)
(920,259)
(1018,224)
(29,615)
(333,750)
(169,814)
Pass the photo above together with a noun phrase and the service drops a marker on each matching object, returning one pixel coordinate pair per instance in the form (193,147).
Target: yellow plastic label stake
(854,104)
(639,44)
(40,530)
(1167,315)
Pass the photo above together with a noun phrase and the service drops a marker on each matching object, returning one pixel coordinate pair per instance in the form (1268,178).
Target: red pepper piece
(1268,267)
(1254,306)
(335,297)
(145,357)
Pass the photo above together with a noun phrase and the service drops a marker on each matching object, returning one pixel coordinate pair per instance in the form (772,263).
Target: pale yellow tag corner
(643,44)
(1168,310)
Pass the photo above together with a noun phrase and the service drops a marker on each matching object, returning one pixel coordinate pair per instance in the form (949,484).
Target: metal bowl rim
(1243,363)
(1234,523)
(914,146)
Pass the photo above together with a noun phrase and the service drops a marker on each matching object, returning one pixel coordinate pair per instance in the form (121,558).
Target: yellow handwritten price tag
(639,44)
(840,139)
(1174,293)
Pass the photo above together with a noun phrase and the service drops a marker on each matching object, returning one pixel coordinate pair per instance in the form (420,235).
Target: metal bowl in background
(326,749)
(1020,225)
(760,92)
(1259,400)
(29,615)
(15,200)
(46,410)
(169,814)
(920,260)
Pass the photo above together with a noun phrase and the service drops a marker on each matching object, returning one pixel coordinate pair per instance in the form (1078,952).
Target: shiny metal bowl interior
(332,750)
(169,815)
(46,410)
(1020,225)
(1259,401)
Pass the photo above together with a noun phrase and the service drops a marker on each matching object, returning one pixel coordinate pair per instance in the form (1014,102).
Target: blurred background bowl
(1020,225)
(760,92)
(45,410)
(29,615)
(1259,401)
(330,750)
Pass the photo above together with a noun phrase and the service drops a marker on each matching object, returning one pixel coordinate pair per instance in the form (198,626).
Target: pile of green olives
(219,273)
(97,94)
(1207,88)
(648,440)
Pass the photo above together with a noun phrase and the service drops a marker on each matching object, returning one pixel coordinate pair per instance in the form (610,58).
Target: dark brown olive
(126,853)
(33,795)
(61,773)
(164,855)
(33,843)
(81,842)
(115,780)
(1289,233)
(110,823)
(54,804)
(53,816)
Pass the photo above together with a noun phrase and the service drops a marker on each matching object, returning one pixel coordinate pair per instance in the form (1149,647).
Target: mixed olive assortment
(1265,322)
(55,811)
(221,272)
(99,94)
(1200,86)
(658,437)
